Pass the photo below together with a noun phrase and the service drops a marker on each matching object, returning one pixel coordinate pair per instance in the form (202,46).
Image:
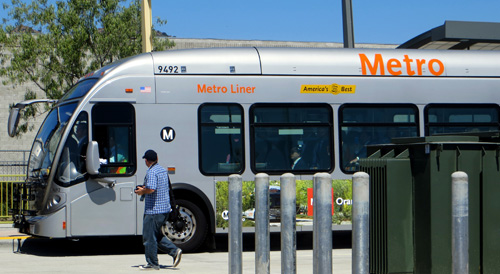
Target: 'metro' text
(406,66)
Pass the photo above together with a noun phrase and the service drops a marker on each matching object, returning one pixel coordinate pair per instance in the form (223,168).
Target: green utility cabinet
(410,203)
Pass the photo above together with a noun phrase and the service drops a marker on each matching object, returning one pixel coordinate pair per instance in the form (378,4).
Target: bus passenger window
(291,138)
(369,124)
(457,118)
(221,139)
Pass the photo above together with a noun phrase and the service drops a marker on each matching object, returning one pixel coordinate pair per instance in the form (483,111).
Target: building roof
(188,43)
(458,35)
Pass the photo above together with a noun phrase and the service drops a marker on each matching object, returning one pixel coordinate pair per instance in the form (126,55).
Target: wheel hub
(181,232)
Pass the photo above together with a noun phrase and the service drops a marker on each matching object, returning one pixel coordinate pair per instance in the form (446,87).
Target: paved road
(125,254)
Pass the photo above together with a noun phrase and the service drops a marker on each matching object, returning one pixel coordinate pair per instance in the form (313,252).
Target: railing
(7,192)
(12,171)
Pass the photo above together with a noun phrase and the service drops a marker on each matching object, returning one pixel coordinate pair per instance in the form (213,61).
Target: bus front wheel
(193,232)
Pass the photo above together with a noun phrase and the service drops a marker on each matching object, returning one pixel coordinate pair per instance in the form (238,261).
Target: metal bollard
(322,227)
(235,225)
(360,223)
(460,222)
(262,237)
(288,202)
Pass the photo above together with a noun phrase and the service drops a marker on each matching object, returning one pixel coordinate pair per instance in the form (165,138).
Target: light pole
(348,25)
(146,26)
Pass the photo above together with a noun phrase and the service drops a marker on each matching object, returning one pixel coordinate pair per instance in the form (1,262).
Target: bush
(222,203)
(342,194)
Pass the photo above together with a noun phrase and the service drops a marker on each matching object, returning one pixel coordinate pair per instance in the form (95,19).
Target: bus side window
(291,138)
(369,124)
(456,118)
(221,144)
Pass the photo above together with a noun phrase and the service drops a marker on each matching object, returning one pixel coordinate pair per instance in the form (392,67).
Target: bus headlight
(56,201)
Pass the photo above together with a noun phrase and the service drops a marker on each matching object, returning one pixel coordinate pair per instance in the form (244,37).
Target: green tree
(53,45)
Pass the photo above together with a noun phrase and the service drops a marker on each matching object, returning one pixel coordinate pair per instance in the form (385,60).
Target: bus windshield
(49,136)
(46,142)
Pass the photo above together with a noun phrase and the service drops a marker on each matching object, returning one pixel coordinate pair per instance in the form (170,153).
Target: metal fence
(12,170)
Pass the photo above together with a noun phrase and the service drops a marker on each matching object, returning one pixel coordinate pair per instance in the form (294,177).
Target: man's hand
(138,190)
(141,190)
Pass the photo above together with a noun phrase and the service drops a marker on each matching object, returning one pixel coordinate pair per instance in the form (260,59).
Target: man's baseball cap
(150,155)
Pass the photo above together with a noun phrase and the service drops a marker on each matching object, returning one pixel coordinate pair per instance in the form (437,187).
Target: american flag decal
(146,89)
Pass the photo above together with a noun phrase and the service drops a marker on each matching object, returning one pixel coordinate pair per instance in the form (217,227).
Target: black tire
(195,229)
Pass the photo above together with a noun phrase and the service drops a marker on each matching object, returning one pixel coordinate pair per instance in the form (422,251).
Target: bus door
(109,209)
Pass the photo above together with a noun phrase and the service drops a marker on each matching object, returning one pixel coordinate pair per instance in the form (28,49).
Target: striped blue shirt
(159,201)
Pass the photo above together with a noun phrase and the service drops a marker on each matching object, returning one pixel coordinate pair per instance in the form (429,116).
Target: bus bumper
(52,225)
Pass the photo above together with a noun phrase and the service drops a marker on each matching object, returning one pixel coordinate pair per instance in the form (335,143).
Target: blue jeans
(153,239)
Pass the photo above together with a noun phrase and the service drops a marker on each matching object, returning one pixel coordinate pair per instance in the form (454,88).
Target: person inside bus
(116,154)
(72,147)
(82,137)
(357,149)
(297,162)
(72,165)
(78,146)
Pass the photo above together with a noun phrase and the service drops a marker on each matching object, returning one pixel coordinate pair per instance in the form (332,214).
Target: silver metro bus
(210,113)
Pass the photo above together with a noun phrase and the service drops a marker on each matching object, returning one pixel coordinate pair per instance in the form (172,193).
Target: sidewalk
(198,263)
(117,256)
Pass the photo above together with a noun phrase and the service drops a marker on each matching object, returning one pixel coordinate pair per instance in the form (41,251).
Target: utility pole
(348,25)
(146,26)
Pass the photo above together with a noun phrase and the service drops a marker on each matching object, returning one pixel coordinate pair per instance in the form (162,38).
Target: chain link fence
(13,165)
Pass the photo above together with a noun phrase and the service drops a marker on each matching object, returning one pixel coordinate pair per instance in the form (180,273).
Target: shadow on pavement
(83,247)
(133,244)
(340,240)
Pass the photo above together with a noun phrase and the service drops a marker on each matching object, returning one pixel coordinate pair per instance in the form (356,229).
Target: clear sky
(383,21)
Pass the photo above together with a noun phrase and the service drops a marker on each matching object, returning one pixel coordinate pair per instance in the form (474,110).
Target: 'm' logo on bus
(167,134)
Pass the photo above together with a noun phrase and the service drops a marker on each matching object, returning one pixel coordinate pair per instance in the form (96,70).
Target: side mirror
(92,162)
(13,121)
(14,113)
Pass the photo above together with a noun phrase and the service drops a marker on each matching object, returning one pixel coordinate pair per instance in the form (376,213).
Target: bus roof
(351,62)
(314,61)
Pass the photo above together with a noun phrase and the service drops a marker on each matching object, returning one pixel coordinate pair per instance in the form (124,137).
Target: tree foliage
(54,44)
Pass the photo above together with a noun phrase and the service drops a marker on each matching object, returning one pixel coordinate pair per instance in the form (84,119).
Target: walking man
(157,207)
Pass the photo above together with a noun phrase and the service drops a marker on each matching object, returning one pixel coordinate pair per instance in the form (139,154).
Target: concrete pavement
(124,255)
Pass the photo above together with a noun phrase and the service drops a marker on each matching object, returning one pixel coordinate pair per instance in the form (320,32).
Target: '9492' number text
(168,69)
